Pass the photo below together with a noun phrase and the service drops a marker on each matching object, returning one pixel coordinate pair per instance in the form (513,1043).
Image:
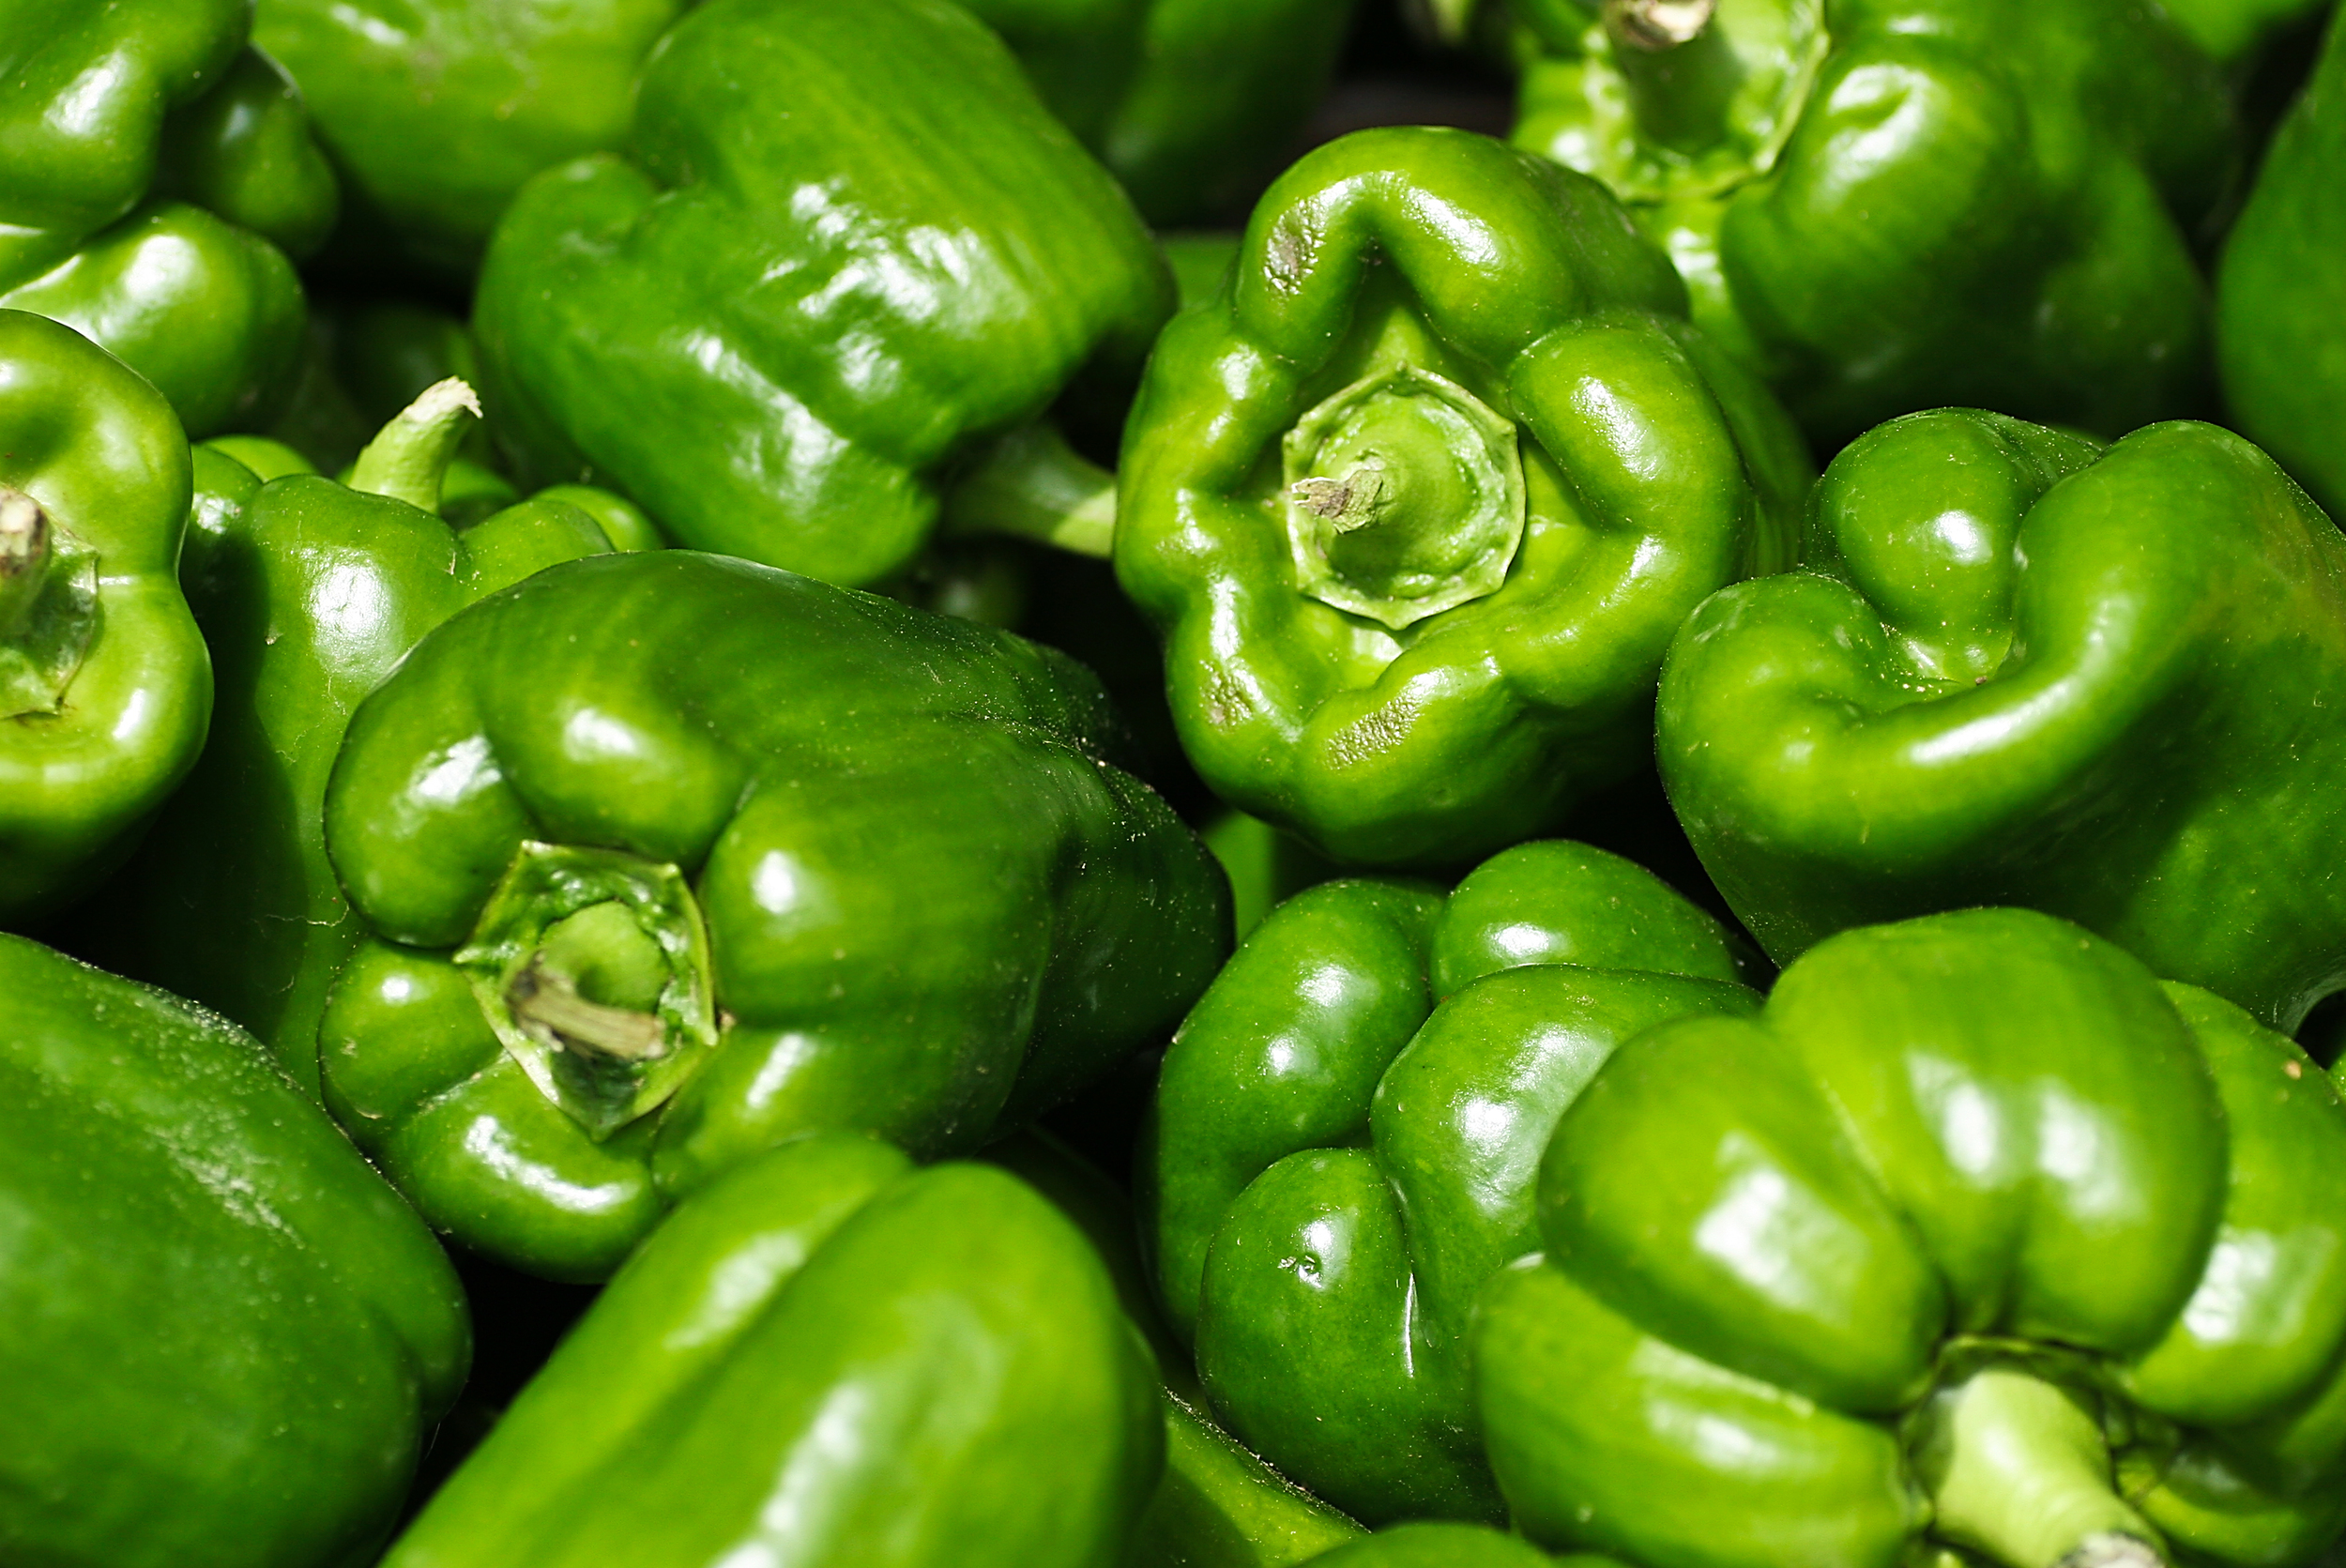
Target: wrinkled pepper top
(1882,206)
(1977,1236)
(1418,498)
(2018,668)
(673,857)
(791,366)
(153,175)
(1345,1134)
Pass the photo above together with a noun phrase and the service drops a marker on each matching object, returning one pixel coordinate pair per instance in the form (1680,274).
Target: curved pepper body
(1976,1234)
(227,1336)
(1417,499)
(2020,669)
(809,859)
(828,1358)
(2280,299)
(104,682)
(155,176)
(789,372)
(1882,206)
(1335,1161)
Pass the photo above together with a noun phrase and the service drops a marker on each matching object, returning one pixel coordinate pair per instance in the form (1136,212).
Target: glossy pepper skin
(1979,1236)
(1190,104)
(2280,305)
(309,593)
(1345,1134)
(2020,668)
(1882,206)
(104,681)
(1429,1545)
(793,373)
(761,856)
(227,1334)
(1416,501)
(826,1358)
(154,176)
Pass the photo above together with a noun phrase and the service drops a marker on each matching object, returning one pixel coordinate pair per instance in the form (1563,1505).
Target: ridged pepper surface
(1978,1245)
(1417,499)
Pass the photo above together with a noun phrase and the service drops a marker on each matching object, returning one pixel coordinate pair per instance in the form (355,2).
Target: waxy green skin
(826,1358)
(97,448)
(1653,472)
(1909,204)
(227,1336)
(2017,668)
(2280,300)
(1430,1544)
(1795,1266)
(936,904)
(792,373)
(157,175)
(309,594)
(1335,1163)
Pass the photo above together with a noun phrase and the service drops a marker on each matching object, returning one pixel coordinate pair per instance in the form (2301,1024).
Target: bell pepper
(826,1358)
(1894,205)
(153,175)
(2281,301)
(668,857)
(2233,31)
(309,593)
(1429,1545)
(227,1336)
(1191,103)
(104,682)
(794,373)
(1976,1245)
(2020,668)
(435,111)
(1417,500)
(1344,1138)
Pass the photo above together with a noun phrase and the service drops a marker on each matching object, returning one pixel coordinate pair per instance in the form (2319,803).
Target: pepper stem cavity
(409,458)
(1681,71)
(1032,486)
(1405,497)
(25,552)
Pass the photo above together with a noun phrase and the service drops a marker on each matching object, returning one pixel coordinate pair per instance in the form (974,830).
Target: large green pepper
(828,1359)
(1337,1162)
(154,173)
(1889,204)
(792,367)
(2280,306)
(671,857)
(104,683)
(2020,669)
(1976,1239)
(225,1335)
(309,593)
(1418,498)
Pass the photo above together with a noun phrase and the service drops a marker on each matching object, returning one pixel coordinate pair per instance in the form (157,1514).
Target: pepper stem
(2019,1469)
(548,1000)
(25,552)
(1033,485)
(1681,72)
(409,458)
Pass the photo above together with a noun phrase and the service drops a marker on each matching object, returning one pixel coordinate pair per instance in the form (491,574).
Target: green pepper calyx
(1405,497)
(593,968)
(48,608)
(407,461)
(24,557)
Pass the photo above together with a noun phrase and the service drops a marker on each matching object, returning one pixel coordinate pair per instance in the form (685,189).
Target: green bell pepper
(2018,668)
(436,112)
(1977,1246)
(227,1336)
(2280,299)
(1882,206)
(154,174)
(1418,498)
(826,1358)
(104,683)
(792,372)
(671,856)
(309,593)
(1335,1163)
(1443,1545)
